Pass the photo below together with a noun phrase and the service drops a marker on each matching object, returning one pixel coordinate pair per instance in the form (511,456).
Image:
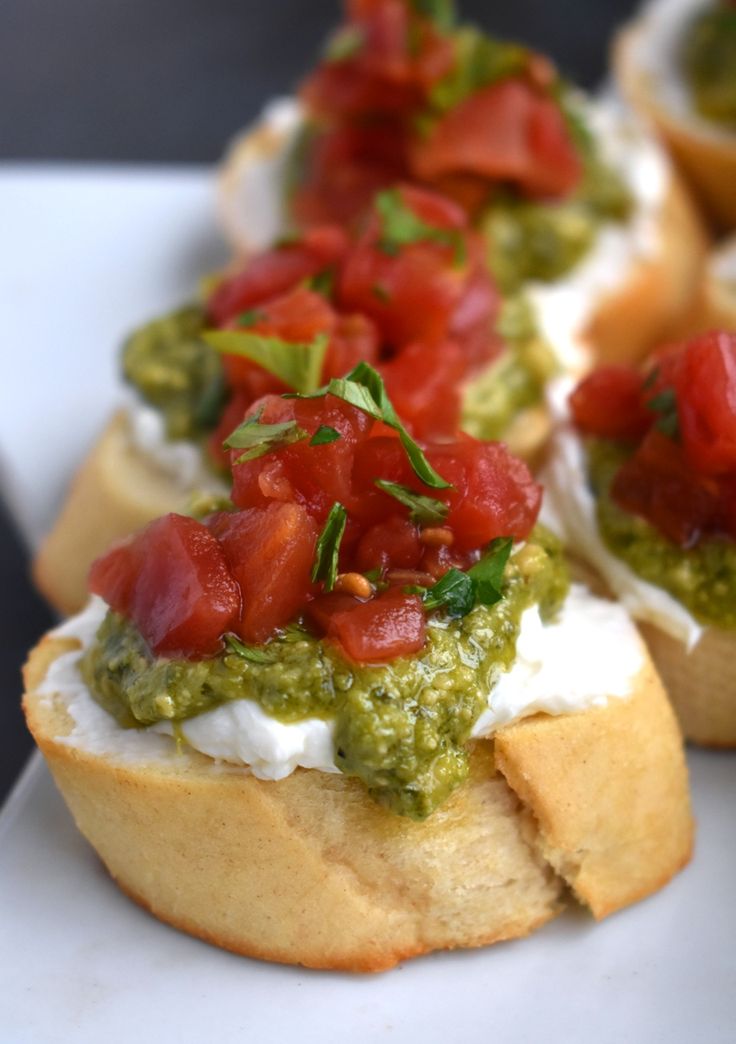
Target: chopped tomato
(423,382)
(270,553)
(344,167)
(706,400)
(274,273)
(392,544)
(417,290)
(610,403)
(508,132)
(494,494)
(172,580)
(657,484)
(390,625)
(354,339)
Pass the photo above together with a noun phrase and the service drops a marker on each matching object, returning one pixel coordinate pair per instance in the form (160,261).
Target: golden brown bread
(715,305)
(706,158)
(310,870)
(116,491)
(701,684)
(659,292)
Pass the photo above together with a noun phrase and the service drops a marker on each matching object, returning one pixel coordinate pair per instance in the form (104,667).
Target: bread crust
(715,306)
(310,870)
(660,290)
(708,161)
(116,491)
(701,684)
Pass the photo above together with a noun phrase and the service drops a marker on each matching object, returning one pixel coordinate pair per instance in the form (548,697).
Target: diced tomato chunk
(276,272)
(610,403)
(494,493)
(507,132)
(706,399)
(355,339)
(390,625)
(657,484)
(423,383)
(174,583)
(270,552)
(393,543)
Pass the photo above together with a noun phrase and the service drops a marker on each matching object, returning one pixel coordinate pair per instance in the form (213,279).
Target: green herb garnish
(458,592)
(324,435)
(454,593)
(664,404)
(297,364)
(259,439)
(363,388)
(424,510)
(322,283)
(328,547)
(401,227)
(344,44)
(441,12)
(487,574)
(249,652)
(250,318)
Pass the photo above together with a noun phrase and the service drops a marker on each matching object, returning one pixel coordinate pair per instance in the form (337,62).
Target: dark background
(170,81)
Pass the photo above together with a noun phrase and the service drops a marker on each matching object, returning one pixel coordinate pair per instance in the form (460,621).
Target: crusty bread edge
(641,846)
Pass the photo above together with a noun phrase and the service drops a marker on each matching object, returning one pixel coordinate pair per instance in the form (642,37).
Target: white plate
(88,254)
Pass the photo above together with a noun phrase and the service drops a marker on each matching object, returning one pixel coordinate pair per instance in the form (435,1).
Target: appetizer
(579,208)
(641,485)
(410,292)
(357,714)
(676,63)
(715,308)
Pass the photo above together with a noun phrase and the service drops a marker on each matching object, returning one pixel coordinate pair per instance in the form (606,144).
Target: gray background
(169,81)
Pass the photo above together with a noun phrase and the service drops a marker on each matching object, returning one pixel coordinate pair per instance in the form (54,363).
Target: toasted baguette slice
(309,870)
(659,292)
(701,684)
(706,157)
(715,307)
(116,491)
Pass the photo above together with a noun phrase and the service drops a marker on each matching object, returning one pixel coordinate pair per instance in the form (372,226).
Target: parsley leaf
(400,227)
(664,403)
(322,283)
(328,547)
(297,364)
(344,44)
(487,574)
(249,652)
(258,439)
(324,435)
(441,12)
(363,388)
(455,593)
(250,318)
(458,592)
(424,510)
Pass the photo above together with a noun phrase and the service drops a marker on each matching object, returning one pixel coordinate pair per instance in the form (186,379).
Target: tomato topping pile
(680,417)
(398,96)
(410,294)
(341,519)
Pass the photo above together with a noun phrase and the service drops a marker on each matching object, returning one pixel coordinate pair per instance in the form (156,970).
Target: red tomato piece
(494,493)
(706,399)
(414,292)
(392,544)
(343,169)
(423,383)
(610,403)
(657,484)
(390,625)
(274,273)
(508,132)
(355,339)
(174,584)
(270,552)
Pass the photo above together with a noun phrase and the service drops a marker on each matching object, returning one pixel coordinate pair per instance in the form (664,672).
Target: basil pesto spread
(702,578)
(174,370)
(515,382)
(709,61)
(400,727)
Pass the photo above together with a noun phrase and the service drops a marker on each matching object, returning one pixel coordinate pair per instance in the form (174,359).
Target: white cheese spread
(550,675)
